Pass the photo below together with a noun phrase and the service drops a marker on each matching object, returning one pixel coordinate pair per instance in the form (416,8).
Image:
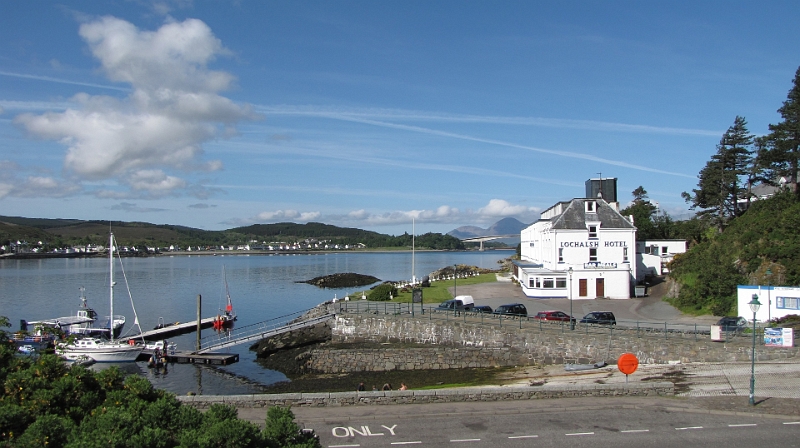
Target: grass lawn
(438,292)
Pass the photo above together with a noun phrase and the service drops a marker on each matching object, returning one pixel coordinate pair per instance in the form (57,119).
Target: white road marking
(465,440)
(407,443)
(689,427)
(742,424)
(580,434)
(791,423)
(635,430)
(523,437)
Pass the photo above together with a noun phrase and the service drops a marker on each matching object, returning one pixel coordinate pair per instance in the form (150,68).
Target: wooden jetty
(171,330)
(187,357)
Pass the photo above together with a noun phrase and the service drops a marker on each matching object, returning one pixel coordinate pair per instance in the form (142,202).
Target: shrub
(382,293)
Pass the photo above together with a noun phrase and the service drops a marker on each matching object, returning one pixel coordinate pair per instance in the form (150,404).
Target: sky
(391,116)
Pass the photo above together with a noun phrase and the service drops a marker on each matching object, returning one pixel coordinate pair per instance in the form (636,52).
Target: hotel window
(561,283)
(664,250)
(538,283)
(530,244)
(548,283)
(590,206)
(560,254)
(593,254)
(624,254)
(530,283)
(592,231)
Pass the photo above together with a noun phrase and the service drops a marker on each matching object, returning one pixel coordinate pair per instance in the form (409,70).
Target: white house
(776,301)
(652,256)
(580,249)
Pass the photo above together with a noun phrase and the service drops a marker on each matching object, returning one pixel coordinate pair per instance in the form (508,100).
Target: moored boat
(95,348)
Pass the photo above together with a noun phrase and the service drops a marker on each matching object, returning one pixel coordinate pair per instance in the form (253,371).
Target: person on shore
(403,386)
(361,387)
(387,386)
(374,388)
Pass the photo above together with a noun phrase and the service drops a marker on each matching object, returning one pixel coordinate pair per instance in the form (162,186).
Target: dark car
(482,309)
(512,309)
(454,305)
(733,323)
(554,315)
(600,318)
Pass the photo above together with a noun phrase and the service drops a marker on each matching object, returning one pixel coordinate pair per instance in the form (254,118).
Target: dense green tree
(781,153)
(723,180)
(46,403)
(642,211)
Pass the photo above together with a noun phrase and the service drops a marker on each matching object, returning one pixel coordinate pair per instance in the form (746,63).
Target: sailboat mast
(413,244)
(111,286)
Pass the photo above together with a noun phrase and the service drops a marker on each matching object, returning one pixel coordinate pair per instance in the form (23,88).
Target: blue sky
(367,114)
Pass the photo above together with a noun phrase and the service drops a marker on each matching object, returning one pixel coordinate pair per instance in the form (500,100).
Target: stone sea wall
(378,360)
(484,345)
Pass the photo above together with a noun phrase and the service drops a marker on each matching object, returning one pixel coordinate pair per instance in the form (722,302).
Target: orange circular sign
(627,363)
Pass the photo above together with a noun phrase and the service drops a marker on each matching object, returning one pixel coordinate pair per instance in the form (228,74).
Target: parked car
(460,303)
(554,315)
(482,309)
(600,318)
(512,309)
(733,323)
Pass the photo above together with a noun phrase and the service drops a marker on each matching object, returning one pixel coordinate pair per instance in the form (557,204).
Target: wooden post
(198,321)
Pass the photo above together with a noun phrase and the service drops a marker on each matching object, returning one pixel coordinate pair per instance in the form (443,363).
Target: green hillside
(760,247)
(56,233)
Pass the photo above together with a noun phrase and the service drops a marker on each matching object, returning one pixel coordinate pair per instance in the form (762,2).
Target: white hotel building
(579,249)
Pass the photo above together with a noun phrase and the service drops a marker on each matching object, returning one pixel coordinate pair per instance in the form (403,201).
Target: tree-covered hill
(759,247)
(57,233)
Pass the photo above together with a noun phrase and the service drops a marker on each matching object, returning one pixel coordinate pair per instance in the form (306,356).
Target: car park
(482,309)
(512,309)
(599,318)
(554,315)
(732,324)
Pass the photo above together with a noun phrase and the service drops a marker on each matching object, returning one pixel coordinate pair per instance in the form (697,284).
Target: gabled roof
(575,216)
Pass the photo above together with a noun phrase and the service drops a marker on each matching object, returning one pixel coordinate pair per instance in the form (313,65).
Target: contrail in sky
(63,81)
(419,129)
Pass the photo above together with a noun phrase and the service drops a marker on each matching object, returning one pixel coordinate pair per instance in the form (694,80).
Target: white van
(459,303)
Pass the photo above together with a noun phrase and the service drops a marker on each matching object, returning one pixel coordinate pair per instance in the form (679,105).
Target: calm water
(261,286)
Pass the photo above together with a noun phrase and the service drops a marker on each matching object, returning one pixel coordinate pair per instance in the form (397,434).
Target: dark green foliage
(282,431)
(721,182)
(46,403)
(781,147)
(382,292)
(766,236)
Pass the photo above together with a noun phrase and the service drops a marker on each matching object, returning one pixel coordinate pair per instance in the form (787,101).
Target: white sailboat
(101,350)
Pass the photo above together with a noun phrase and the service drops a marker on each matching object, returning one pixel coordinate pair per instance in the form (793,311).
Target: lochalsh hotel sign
(593,244)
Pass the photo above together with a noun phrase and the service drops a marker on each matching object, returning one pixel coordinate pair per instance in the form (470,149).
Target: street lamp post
(769,295)
(754,306)
(455,286)
(571,319)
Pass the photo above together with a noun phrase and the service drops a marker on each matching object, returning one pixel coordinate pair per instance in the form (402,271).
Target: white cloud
(173,109)
(286,215)
(154,181)
(501,208)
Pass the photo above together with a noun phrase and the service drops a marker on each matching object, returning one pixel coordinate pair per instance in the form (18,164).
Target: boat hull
(101,352)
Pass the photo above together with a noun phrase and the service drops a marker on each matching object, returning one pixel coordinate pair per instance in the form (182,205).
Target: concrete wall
(432,396)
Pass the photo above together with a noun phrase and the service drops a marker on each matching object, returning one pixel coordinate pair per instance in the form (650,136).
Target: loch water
(164,288)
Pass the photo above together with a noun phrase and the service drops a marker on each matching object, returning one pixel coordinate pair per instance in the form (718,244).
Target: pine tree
(782,154)
(719,182)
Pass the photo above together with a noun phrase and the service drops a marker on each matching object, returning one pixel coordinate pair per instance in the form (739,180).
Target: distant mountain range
(506,226)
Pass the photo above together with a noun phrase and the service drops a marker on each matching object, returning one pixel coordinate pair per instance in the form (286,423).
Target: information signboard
(779,337)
